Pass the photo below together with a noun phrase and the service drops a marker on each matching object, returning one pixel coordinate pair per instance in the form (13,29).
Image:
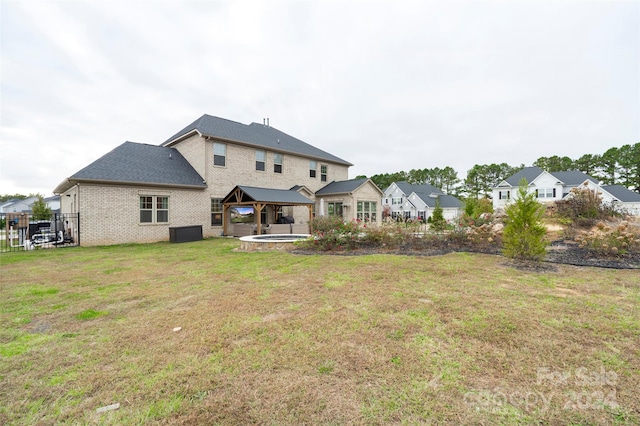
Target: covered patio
(259,199)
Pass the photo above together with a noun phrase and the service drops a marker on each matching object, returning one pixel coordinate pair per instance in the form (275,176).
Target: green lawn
(276,338)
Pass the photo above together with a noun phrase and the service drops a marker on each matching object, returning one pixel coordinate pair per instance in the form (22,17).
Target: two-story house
(417,202)
(137,191)
(554,186)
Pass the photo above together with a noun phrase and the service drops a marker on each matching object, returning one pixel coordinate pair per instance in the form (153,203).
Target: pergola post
(225,216)
(257,207)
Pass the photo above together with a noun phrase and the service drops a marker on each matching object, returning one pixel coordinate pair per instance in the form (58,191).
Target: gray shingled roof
(341,187)
(267,195)
(139,164)
(573,177)
(446,201)
(623,194)
(568,178)
(529,173)
(254,134)
(425,188)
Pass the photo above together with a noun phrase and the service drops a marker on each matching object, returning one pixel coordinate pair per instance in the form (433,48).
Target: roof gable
(529,173)
(136,163)
(258,135)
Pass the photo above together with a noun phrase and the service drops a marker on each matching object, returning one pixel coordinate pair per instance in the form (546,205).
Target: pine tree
(437,218)
(524,233)
(40,210)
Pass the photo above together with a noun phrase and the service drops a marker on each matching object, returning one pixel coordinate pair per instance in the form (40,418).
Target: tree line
(615,166)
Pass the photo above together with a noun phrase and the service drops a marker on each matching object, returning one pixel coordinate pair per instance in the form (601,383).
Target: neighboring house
(554,186)
(17,205)
(350,199)
(136,192)
(53,203)
(408,201)
(623,199)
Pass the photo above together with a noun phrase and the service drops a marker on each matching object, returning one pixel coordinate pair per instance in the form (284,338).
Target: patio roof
(251,194)
(259,198)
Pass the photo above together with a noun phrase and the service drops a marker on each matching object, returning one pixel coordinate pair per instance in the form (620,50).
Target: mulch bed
(559,252)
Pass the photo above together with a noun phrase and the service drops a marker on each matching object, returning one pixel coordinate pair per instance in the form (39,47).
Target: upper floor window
(504,195)
(154,209)
(277,163)
(323,173)
(312,168)
(219,154)
(260,160)
(396,200)
(216,211)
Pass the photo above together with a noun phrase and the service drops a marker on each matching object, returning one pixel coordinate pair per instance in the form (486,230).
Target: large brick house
(136,192)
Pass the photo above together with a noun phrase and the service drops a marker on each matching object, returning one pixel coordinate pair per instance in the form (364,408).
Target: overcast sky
(386,85)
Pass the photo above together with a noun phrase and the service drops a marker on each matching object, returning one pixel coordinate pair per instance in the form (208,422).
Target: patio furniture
(278,228)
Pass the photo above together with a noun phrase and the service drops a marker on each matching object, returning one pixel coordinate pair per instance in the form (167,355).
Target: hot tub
(270,242)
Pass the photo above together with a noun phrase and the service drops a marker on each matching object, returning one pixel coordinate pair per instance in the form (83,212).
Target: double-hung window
(323,173)
(396,201)
(154,209)
(216,212)
(277,163)
(219,154)
(260,160)
(312,168)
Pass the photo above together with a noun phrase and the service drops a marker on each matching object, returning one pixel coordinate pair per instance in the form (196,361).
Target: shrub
(616,240)
(584,207)
(523,236)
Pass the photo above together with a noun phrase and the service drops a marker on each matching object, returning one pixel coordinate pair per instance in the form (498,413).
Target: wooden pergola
(259,199)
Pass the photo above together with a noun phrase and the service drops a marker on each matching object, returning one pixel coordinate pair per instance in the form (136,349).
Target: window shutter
(554,193)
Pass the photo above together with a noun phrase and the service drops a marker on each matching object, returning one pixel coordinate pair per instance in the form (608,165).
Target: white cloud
(387,86)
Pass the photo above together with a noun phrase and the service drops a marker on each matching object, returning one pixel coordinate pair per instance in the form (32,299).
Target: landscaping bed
(558,252)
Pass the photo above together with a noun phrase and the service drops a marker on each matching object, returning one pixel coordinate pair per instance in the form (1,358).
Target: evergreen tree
(524,233)
(437,218)
(40,210)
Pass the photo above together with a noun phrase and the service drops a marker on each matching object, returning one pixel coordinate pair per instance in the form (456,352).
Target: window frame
(277,166)
(324,169)
(156,208)
(367,211)
(313,167)
(335,208)
(261,163)
(217,202)
(220,158)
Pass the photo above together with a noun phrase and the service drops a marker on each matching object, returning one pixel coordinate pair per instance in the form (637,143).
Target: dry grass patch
(285,339)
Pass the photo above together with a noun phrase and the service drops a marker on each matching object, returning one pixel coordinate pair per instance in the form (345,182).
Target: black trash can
(183,234)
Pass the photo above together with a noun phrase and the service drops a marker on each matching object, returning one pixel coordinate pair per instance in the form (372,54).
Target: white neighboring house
(554,186)
(408,201)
